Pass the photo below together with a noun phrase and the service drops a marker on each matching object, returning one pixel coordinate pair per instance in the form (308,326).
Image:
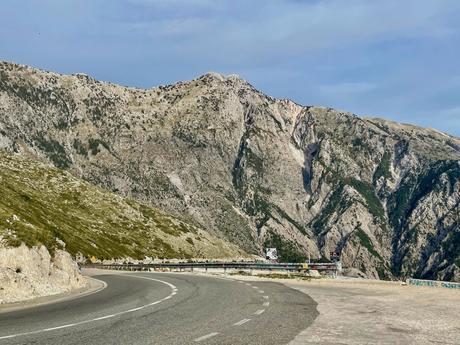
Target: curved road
(165,308)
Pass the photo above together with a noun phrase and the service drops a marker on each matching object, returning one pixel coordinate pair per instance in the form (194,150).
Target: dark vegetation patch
(336,202)
(54,151)
(80,148)
(368,193)
(383,169)
(366,242)
(94,145)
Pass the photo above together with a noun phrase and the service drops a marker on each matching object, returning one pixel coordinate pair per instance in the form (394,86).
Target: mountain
(249,168)
(43,205)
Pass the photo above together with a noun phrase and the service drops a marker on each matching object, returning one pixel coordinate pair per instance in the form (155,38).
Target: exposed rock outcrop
(252,169)
(26,273)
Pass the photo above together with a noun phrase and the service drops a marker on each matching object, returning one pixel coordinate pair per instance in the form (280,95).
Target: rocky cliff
(249,168)
(26,273)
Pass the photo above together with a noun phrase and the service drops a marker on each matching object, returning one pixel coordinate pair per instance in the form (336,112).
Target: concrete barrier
(433,283)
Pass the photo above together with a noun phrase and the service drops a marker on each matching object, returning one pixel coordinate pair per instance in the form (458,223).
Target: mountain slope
(43,205)
(252,169)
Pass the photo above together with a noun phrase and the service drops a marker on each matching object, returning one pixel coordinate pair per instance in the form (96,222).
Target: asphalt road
(162,308)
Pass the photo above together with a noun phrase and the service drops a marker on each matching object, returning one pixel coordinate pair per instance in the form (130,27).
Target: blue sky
(396,59)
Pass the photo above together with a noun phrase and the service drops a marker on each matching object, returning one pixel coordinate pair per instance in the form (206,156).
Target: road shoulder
(93,286)
(368,312)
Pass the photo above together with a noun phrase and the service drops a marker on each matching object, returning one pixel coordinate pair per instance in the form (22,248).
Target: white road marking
(248,284)
(266,297)
(242,322)
(255,287)
(261,291)
(102,317)
(207,336)
(266,304)
(258,312)
(59,327)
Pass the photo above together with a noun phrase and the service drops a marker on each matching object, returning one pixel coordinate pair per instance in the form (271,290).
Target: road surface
(164,308)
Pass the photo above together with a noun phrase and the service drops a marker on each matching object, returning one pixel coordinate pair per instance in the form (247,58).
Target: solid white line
(102,317)
(242,322)
(207,336)
(59,327)
(258,312)
(266,304)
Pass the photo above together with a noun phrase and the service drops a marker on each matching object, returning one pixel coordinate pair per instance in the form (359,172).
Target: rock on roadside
(27,273)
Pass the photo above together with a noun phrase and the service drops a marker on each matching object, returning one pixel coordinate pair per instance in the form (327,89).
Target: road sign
(271,254)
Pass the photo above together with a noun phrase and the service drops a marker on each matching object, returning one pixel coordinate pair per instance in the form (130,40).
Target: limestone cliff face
(26,273)
(252,169)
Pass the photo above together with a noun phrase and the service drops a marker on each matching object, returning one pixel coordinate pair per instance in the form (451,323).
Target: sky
(395,59)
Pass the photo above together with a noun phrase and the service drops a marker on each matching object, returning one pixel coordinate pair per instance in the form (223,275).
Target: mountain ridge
(232,76)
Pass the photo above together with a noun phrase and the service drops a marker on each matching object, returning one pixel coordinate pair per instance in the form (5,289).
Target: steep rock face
(252,169)
(26,273)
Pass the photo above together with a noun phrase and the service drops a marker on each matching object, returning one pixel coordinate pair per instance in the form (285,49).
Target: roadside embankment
(27,273)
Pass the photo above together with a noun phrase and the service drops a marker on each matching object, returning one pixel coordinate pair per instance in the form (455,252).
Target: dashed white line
(261,291)
(255,287)
(242,322)
(102,317)
(207,336)
(258,312)
(266,297)
(266,304)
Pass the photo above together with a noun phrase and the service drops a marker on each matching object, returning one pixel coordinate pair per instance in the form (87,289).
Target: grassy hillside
(45,205)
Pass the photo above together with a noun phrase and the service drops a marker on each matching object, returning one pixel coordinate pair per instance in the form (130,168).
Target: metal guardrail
(291,267)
